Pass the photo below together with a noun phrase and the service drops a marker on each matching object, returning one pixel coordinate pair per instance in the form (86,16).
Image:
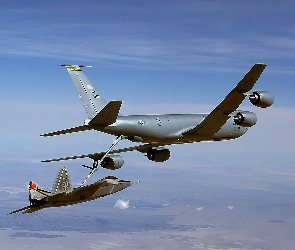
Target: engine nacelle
(112,162)
(245,118)
(261,99)
(158,155)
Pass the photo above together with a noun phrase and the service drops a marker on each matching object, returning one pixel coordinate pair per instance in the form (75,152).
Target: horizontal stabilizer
(21,209)
(108,114)
(68,130)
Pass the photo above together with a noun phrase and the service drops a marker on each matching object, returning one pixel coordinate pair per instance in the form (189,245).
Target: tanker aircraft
(63,194)
(155,132)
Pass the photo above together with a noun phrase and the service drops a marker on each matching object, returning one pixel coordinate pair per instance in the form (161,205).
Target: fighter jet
(156,132)
(63,194)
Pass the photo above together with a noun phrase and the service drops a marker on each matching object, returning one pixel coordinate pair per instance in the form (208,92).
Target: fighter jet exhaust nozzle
(112,162)
(158,155)
(261,99)
(245,119)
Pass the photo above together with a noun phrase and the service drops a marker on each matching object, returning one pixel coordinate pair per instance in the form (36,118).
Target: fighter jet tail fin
(62,182)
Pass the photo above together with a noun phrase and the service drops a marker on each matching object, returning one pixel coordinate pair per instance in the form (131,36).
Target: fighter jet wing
(19,210)
(28,209)
(97,156)
(218,117)
(33,209)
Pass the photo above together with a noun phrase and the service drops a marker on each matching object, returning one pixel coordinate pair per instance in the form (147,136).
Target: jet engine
(112,162)
(158,155)
(261,99)
(245,118)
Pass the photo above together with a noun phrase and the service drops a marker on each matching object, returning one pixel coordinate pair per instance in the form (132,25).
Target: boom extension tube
(96,163)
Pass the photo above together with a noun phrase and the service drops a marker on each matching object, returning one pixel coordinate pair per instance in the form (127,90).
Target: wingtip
(47,160)
(261,64)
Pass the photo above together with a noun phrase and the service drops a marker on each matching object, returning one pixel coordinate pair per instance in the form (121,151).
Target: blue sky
(156,56)
(163,45)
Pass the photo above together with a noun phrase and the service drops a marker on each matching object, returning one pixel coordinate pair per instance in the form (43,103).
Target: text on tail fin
(62,182)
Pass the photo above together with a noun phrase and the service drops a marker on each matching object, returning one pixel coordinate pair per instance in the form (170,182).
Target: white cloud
(200,208)
(230,207)
(121,204)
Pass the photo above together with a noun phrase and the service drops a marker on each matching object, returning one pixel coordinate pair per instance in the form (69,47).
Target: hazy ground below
(195,207)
